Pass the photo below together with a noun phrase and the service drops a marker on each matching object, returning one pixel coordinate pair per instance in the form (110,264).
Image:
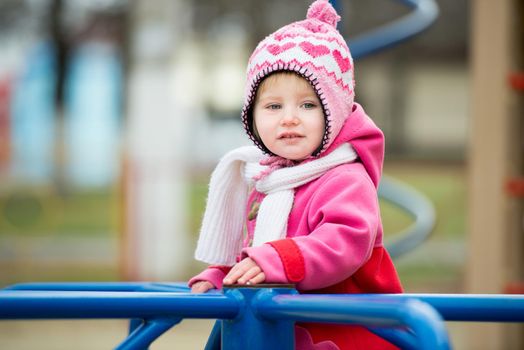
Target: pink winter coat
(334,242)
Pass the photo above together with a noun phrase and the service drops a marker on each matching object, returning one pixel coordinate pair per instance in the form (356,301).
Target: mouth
(289,135)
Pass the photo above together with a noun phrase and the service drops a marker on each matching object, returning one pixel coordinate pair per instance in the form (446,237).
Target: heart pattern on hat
(343,62)
(276,49)
(314,50)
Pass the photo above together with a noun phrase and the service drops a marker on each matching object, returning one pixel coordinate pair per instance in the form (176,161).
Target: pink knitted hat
(315,50)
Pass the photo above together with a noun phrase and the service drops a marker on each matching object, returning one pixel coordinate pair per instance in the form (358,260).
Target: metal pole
(147,333)
(470,307)
(423,14)
(250,331)
(415,204)
(107,305)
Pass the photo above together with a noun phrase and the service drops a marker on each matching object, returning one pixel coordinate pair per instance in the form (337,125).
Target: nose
(289,117)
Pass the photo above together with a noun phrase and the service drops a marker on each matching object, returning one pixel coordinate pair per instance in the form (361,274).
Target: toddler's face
(288,116)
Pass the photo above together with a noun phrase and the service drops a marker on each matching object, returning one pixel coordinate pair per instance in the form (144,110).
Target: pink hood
(367,140)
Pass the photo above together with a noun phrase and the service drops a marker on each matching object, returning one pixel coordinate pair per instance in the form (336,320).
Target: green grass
(36,271)
(42,211)
(393,218)
(197,203)
(431,278)
(445,186)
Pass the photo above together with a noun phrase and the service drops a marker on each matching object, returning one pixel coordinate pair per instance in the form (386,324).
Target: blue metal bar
(130,305)
(404,339)
(147,333)
(134,324)
(452,307)
(336,6)
(471,307)
(421,318)
(423,14)
(417,206)
(214,340)
(373,310)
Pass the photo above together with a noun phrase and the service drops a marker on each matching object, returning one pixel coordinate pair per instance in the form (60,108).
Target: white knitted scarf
(221,233)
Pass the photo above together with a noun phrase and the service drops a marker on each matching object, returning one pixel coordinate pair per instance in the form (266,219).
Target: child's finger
(249,274)
(201,287)
(236,272)
(261,277)
(239,270)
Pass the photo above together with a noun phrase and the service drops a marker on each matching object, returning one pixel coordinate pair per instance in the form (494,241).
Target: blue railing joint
(401,337)
(258,333)
(266,297)
(239,298)
(426,322)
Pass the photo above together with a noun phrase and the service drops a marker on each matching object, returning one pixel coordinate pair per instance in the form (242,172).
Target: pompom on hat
(315,50)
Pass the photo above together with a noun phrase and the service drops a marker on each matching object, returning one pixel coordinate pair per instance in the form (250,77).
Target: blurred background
(114,112)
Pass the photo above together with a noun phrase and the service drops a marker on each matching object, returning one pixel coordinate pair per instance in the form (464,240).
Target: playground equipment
(264,316)
(416,205)
(496,207)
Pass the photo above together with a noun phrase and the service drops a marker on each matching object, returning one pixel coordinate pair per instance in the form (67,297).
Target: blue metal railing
(264,316)
(417,206)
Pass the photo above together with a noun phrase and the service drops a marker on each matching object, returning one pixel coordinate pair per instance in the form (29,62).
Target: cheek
(263,122)
(319,125)
(263,127)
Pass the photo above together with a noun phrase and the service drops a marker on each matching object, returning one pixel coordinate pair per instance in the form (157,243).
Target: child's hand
(245,272)
(201,287)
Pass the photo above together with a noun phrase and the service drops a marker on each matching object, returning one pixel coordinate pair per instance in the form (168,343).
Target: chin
(290,154)
(294,157)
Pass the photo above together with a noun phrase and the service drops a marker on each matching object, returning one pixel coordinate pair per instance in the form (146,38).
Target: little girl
(312,217)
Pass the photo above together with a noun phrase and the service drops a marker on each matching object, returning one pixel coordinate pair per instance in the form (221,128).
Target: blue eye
(309,105)
(274,106)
